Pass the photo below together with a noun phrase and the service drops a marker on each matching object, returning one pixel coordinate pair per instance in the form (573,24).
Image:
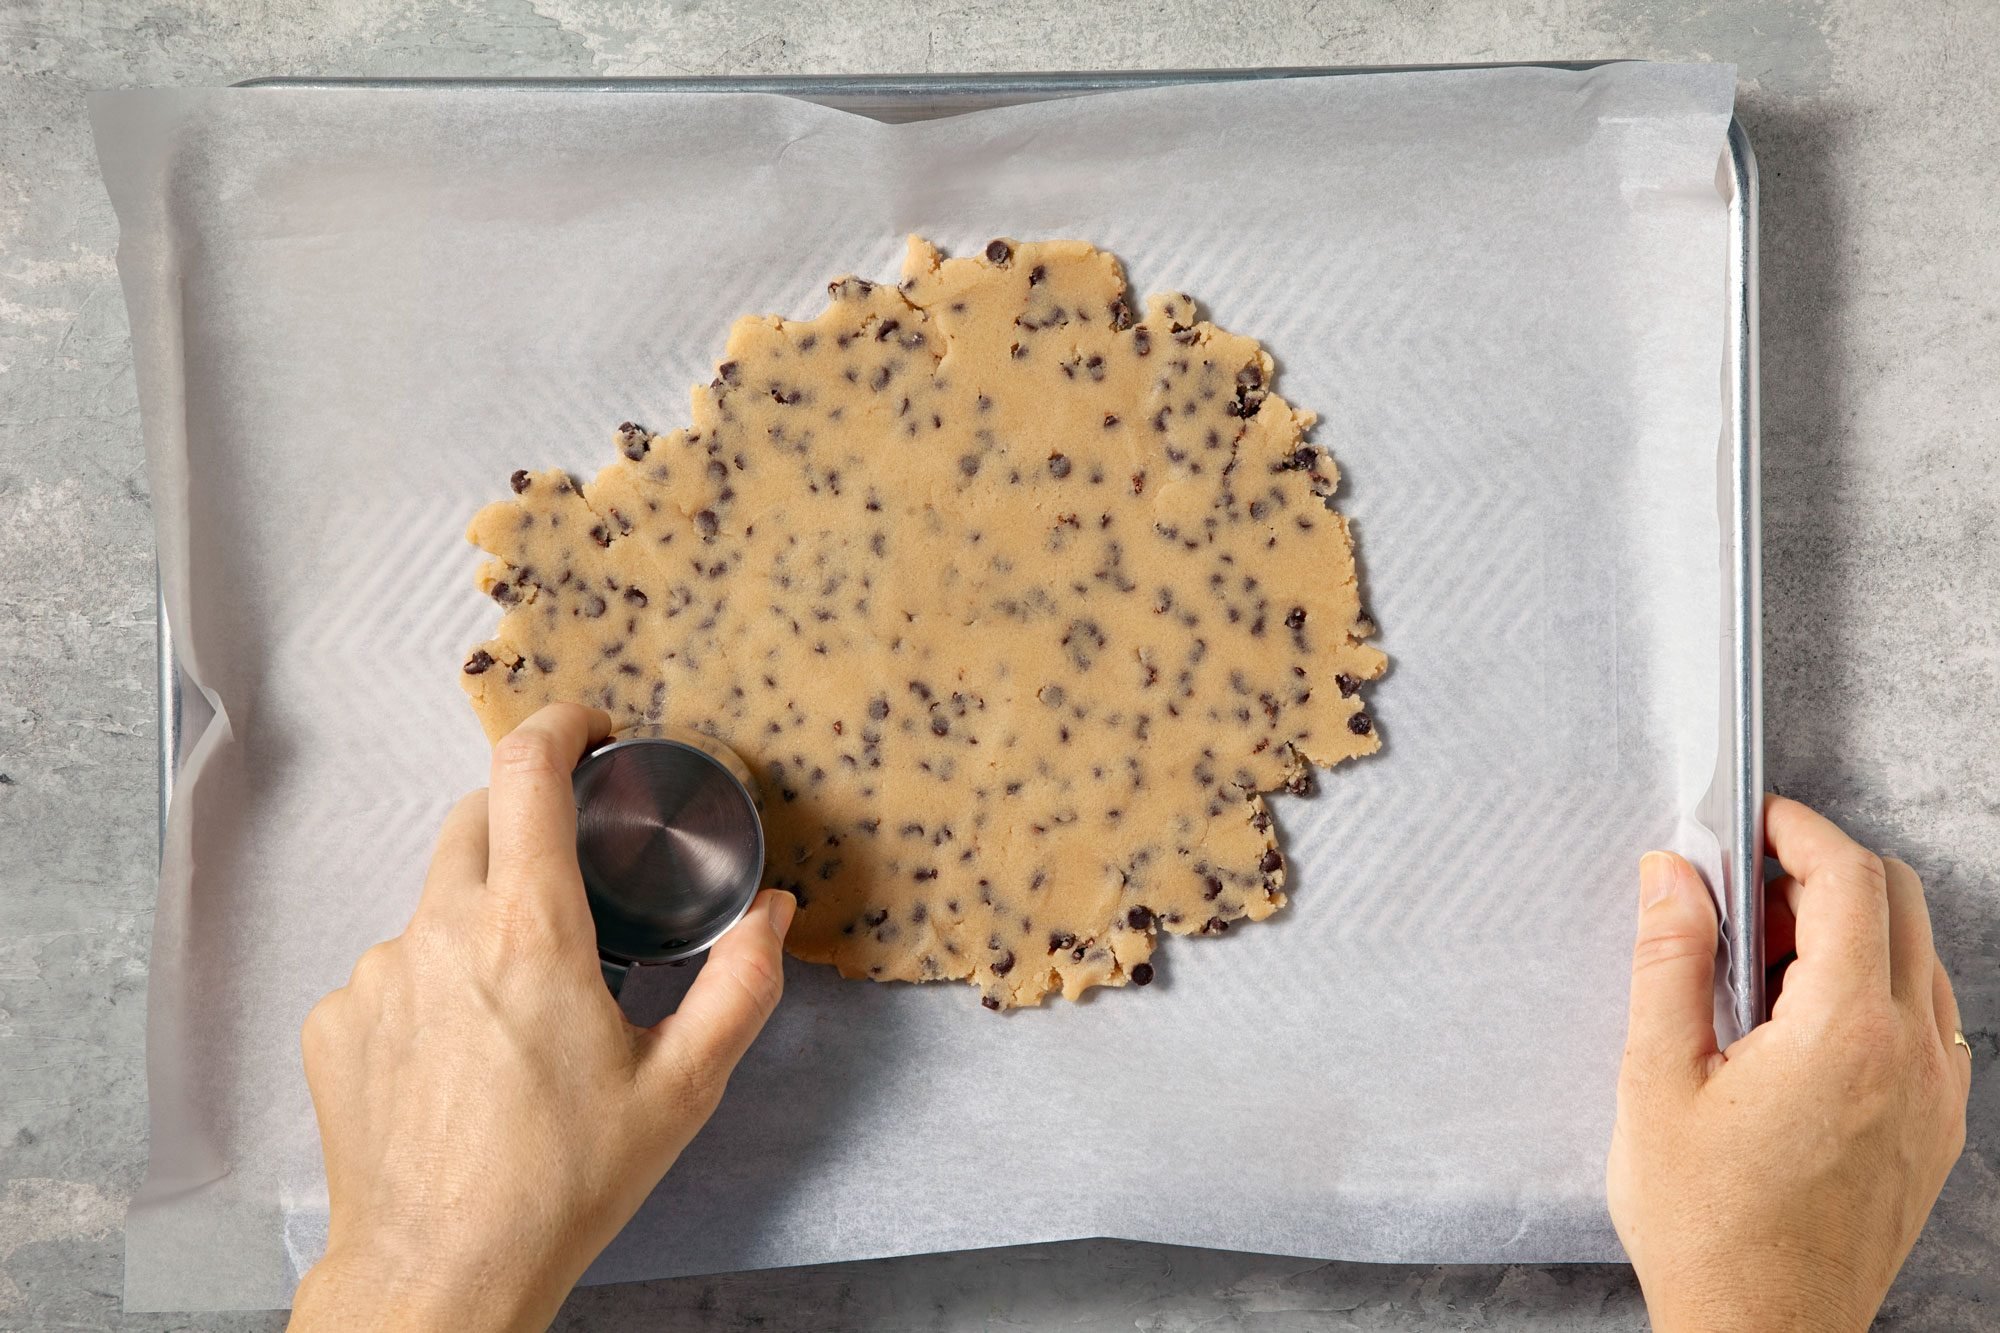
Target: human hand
(489,1118)
(1781,1184)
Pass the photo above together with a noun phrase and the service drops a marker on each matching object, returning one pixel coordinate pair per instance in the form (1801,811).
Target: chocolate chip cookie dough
(1014,597)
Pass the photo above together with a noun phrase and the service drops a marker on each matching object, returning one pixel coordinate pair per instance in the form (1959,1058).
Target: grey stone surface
(1878,126)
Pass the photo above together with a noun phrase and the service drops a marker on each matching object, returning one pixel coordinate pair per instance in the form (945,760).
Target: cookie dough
(1014,597)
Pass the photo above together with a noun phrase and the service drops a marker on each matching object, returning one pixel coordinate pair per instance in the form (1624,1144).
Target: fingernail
(1659,876)
(780,912)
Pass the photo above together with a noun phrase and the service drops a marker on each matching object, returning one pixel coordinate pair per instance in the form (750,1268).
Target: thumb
(1670,1037)
(697,1046)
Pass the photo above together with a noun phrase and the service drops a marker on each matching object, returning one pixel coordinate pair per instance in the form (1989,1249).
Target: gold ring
(1958,1039)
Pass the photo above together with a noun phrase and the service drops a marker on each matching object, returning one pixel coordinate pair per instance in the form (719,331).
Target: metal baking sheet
(1554,1227)
(1737,798)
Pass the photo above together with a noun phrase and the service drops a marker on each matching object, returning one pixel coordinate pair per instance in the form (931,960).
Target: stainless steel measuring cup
(670,844)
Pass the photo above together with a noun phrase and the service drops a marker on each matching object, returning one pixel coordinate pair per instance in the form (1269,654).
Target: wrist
(1763,1301)
(370,1287)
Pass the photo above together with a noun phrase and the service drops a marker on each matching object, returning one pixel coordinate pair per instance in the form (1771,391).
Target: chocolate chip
(1142,974)
(1121,315)
(506,594)
(544,664)
(1061,941)
(728,373)
(601,535)
(1004,964)
(519,481)
(988,1000)
(1348,685)
(1036,274)
(1295,618)
(635,597)
(707,524)
(1360,724)
(1142,342)
(478,663)
(969,465)
(1215,925)
(1271,862)
(998,252)
(1110,420)
(594,607)
(632,441)
(1139,918)
(878,708)
(939,726)
(1058,466)
(1211,888)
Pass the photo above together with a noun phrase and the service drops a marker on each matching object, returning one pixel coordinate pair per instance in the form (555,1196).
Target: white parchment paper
(356,312)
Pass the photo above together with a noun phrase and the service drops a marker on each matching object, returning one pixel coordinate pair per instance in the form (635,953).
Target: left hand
(489,1118)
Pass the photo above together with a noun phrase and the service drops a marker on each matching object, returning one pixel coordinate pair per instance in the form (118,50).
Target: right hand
(1780,1185)
(488,1116)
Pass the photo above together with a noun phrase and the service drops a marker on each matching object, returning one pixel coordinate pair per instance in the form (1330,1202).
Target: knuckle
(1877,1030)
(322,1025)
(373,969)
(514,923)
(427,928)
(1864,870)
(1671,948)
(527,753)
(429,939)
(1869,1039)
(762,980)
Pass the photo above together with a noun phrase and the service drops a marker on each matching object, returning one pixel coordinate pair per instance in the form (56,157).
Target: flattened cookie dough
(1014,597)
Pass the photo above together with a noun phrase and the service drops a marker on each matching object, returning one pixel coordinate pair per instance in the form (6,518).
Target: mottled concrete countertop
(1877,125)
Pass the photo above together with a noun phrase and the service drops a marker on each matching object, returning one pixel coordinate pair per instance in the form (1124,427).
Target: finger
(458,865)
(1670,1037)
(1950,1024)
(1912,959)
(1839,896)
(531,812)
(738,988)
